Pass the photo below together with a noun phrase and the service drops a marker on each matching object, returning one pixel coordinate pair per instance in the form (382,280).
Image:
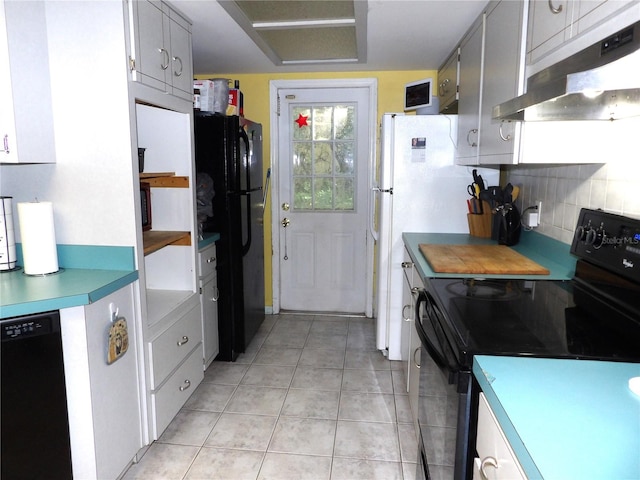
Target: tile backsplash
(565,189)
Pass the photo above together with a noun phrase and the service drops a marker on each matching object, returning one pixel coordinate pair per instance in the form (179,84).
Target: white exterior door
(323,165)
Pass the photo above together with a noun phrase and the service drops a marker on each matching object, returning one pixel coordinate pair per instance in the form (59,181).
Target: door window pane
(323,146)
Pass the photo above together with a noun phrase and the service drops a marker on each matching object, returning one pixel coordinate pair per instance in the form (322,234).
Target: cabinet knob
(187,384)
(211,260)
(184,340)
(406,265)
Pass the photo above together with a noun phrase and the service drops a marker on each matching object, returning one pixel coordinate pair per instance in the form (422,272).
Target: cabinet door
(549,22)
(152,53)
(503,72)
(181,63)
(471,51)
(8,152)
(209,298)
(496,459)
(448,77)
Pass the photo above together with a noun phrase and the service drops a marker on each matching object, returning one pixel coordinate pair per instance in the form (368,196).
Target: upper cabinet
(502,80)
(552,23)
(470,85)
(25,88)
(161,48)
(448,78)
(491,72)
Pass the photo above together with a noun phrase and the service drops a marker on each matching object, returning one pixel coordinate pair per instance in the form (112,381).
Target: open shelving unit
(168,247)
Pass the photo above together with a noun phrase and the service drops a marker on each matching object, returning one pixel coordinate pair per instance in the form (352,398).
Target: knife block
(480,223)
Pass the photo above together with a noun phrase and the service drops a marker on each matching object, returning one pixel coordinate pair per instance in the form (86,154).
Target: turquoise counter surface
(549,253)
(88,274)
(566,419)
(207,239)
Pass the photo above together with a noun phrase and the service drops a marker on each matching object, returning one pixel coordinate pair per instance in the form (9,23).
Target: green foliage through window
(323,158)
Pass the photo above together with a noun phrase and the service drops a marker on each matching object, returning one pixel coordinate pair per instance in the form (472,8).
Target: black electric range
(594,316)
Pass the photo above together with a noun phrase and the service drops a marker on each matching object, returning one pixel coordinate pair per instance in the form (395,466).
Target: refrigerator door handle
(243,135)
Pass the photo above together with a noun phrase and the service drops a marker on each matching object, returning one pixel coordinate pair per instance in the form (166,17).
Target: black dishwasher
(34,433)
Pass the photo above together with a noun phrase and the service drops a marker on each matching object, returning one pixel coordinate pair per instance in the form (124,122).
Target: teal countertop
(549,253)
(88,273)
(566,419)
(207,239)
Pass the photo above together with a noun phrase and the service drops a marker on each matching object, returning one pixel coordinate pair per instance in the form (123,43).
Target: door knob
(285,222)
(285,206)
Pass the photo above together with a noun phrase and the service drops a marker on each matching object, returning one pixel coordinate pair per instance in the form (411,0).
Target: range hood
(600,82)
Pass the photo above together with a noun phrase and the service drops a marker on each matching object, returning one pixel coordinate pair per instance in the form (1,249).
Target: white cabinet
(553,23)
(175,357)
(161,48)
(411,287)
(495,459)
(26,118)
(549,26)
(209,295)
(502,80)
(471,50)
(105,419)
(491,72)
(448,78)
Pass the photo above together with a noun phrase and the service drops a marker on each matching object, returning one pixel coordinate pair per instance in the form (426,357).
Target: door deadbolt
(285,206)
(285,222)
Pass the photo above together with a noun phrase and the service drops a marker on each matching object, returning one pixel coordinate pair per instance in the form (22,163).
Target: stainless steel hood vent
(601,82)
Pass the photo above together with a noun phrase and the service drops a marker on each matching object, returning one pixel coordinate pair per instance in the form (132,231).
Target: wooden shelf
(154,240)
(165,179)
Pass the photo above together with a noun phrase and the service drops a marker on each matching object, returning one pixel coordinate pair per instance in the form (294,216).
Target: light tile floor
(311,398)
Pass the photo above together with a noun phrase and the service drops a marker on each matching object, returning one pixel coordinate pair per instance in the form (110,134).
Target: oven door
(444,403)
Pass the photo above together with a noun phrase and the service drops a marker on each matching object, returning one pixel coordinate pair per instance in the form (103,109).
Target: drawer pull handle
(165,58)
(184,340)
(404,315)
(216,295)
(414,357)
(187,384)
(488,461)
(505,138)
(211,260)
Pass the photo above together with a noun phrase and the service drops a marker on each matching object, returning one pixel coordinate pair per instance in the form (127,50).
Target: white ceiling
(401,35)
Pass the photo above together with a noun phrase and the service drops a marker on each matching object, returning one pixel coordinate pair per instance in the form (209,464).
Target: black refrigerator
(229,150)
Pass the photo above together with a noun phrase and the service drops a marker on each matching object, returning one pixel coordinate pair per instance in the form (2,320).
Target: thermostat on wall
(417,94)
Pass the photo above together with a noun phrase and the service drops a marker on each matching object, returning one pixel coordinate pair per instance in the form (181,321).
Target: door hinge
(200,290)
(278,105)
(132,64)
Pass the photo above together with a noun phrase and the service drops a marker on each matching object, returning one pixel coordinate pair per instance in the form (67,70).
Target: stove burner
(485,289)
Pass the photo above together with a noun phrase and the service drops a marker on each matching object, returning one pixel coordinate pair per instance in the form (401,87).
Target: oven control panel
(608,240)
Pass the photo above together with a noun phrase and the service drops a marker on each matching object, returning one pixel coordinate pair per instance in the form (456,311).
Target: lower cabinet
(175,357)
(495,459)
(411,287)
(209,295)
(104,399)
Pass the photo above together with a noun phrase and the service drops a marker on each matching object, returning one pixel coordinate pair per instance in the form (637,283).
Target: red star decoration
(302,120)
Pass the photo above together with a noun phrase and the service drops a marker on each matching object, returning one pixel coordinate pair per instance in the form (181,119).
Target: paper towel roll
(38,238)
(7,237)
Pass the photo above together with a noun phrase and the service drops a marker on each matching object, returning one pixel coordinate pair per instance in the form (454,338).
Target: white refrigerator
(418,189)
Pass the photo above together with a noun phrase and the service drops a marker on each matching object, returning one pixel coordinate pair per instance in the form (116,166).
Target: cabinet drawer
(207,260)
(168,400)
(493,448)
(174,344)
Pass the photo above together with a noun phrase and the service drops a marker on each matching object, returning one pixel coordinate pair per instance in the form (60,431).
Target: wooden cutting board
(489,259)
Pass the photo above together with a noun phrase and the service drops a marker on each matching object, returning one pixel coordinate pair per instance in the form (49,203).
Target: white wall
(564,189)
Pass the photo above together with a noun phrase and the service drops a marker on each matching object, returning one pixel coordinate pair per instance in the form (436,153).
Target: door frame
(274,88)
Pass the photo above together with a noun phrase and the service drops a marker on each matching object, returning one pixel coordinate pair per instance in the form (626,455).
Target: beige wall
(255,88)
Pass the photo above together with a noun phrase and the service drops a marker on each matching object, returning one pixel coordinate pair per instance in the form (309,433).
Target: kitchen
(78,187)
